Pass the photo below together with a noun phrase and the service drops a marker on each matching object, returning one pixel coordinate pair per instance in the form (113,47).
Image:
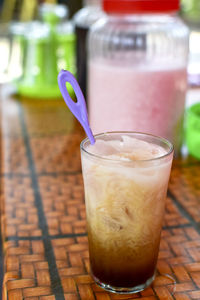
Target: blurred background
(31,31)
(26,10)
(36,38)
(190,12)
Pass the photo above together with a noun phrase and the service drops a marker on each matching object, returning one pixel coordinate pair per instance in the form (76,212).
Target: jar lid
(140,6)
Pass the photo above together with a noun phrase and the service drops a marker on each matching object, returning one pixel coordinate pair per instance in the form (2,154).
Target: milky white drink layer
(125,184)
(137,99)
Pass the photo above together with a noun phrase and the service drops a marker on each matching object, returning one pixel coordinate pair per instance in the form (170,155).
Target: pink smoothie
(136,99)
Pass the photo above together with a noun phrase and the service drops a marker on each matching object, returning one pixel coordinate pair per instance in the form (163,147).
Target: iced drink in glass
(125,179)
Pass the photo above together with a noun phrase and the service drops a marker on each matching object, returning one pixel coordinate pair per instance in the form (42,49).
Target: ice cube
(109,222)
(141,150)
(101,147)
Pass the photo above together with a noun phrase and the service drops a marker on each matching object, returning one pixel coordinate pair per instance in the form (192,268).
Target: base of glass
(124,290)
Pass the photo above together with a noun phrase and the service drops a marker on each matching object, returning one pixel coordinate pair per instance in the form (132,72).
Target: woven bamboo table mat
(43,222)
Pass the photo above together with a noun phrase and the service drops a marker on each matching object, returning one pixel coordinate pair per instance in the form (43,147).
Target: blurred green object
(40,64)
(67,54)
(191,11)
(193,130)
(47,50)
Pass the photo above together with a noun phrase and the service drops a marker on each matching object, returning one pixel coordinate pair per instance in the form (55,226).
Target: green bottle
(47,51)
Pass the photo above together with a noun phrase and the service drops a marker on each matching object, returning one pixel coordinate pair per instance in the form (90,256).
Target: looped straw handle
(77,108)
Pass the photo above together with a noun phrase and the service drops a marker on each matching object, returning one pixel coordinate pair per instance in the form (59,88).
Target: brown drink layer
(122,266)
(124,225)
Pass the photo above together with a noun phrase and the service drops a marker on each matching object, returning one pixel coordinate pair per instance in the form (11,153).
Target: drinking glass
(125,201)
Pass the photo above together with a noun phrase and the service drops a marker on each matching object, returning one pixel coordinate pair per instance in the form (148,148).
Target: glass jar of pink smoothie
(137,67)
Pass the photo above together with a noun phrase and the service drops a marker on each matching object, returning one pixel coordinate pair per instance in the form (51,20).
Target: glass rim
(103,158)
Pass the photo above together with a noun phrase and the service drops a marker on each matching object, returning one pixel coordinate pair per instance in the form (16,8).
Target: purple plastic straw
(78,108)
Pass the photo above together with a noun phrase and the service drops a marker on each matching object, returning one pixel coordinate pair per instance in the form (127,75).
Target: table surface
(43,222)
